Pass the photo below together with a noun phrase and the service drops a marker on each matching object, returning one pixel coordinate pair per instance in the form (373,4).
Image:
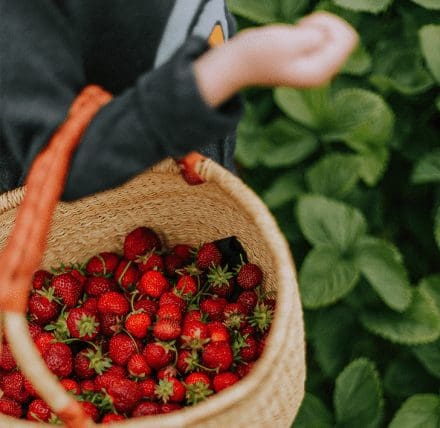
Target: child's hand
(307,54)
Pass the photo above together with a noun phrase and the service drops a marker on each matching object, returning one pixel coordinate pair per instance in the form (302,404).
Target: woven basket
(161,199)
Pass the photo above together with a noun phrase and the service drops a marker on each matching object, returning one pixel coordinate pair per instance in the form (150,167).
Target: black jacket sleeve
(162,115)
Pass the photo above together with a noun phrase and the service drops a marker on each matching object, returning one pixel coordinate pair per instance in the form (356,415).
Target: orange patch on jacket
(216,37)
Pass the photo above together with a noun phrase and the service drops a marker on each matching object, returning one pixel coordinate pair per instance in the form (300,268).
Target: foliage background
(351,172)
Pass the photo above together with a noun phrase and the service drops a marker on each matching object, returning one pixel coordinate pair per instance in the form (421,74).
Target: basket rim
(287,296)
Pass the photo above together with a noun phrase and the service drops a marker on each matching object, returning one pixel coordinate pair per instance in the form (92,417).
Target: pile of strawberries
(144,333)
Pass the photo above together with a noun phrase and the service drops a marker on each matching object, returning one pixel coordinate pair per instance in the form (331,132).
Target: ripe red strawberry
(169,312)
(67,288)
(193,315)
(7,361)
(187,361)
(43,341)
(169,407)
(87,386)
(41,279)
(172,263)
(34,330)
(194,334)
(198,387)
(102,264)
(224,380)
(146,408)
(166,372)
(113,303)
(38,411)
(12,386)
(186,286)
(148,386)
(110,324)
(243,369)
(30,389)
(218,332)
(82,324)
(234,315)
(158,354)
(97,285)
(262,344)
(121,348)
(111,417)
(91,305)
(109,376)
(127,274)
(139,241)
(249,276)
(170,389)
(138,367)
(71,385)
(89,362)
(10,407)
(217,355)
(166,329)
(148,305)
(137,324)
(248,299)
(59,359)
(213,307)
(151,262)
(153,283)
(208,255)
(184,251)
(42,309)
(250,351)
(170,297)
(125,394)
(198,377)
(91,410)
(248,329)
(80,276)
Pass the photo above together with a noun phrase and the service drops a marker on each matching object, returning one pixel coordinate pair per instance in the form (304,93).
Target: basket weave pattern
(221,207)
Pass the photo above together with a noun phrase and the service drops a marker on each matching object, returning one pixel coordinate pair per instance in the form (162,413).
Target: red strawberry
(87,385)
(91,305)
(113,303)
(42,309)
(82,324)
(138,367)
(217,355)
(91,410)
(59,359)
(166,372)
(213,307)
(153,283)
(169,312)
(194,334)
(89,362)
(248,299)
(170,389)
(110,324)
(10,407)
(148,305)
(137,324)
(139,241)
(169,407)
(80,276)
(218,332)
(158,354)
(224,380)
(184,251)
(108,377)
(148,386)
(186,286)
(243,369)
(43,341)
(234,315)
(111,417)
(12,386)
(121,348)
(125,394)
(127,274)
(34,330)
(38,411)
(71,385)
(208,255)
(146,408)
(262,344)
(151,262)
(170,297)
(249,276)
(67,288)
(198,377)
(193,315)
(97,285)
(7,361)
(172,263)
(198,387)
(41,279)
(166,329)
(103,264)
(30,389)
(250,351)
(187,361)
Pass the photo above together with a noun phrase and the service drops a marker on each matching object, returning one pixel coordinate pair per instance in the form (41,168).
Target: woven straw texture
(223,206)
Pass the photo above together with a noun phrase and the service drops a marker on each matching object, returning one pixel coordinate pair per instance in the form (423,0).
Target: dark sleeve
(162,115)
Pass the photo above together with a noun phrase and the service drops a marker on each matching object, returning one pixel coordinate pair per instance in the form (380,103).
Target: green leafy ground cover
(352,173)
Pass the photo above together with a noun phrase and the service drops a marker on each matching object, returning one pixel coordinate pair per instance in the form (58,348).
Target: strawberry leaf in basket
(358,396)
(326,277)
(421,410)
(313,412)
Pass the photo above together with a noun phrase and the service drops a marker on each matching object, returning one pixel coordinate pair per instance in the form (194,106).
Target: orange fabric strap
(25,247)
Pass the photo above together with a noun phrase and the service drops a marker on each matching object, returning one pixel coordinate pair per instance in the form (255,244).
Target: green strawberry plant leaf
(358,63)
(372,6)
(313,412)
(334,175)
(382,266)
(419,324)
(427,169)
(325,277)
(358,396)
(431,287)
(372,164)
(284,189)
(290,10)
(325,221)
(429,357)
(428,4)
(429,36)
(418,411)
(261,11)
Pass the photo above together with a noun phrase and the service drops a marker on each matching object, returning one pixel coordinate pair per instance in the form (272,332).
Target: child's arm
(305,55)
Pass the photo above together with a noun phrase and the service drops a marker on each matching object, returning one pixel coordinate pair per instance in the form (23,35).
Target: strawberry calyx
(59,327)
(164,390)
(87,325)
(262,317)
(97,360)
(48,293)
(191,270)
(197,392)
(100,399)
(218,276)
(238,343)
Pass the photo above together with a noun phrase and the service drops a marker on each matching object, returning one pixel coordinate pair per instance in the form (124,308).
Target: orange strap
(25,247)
